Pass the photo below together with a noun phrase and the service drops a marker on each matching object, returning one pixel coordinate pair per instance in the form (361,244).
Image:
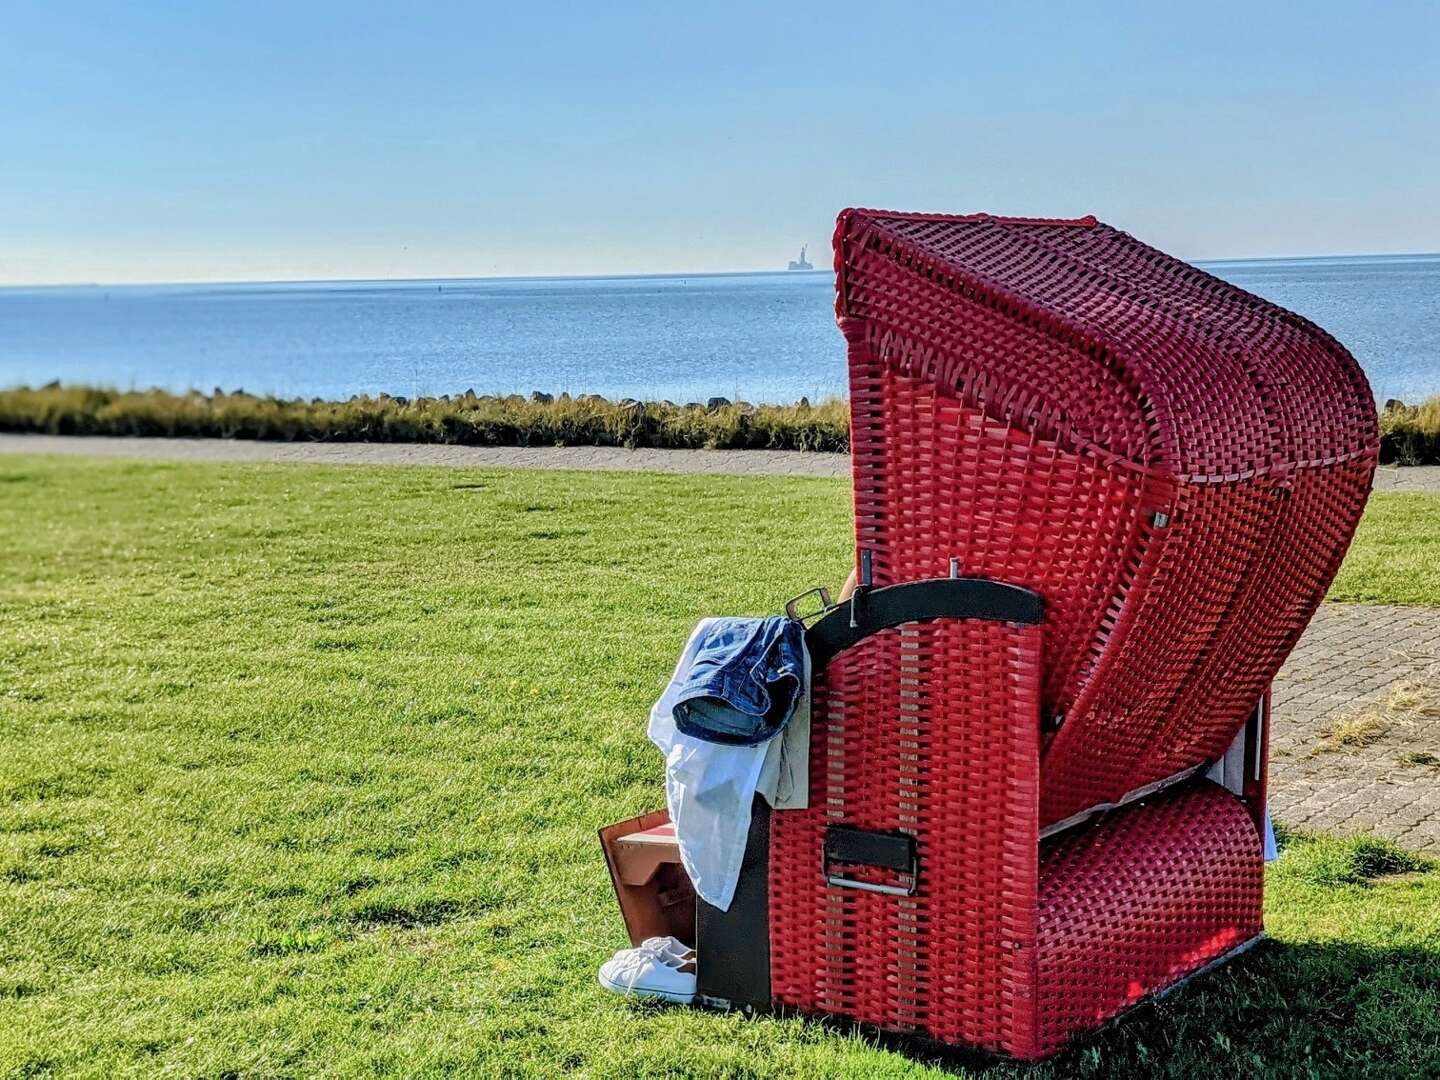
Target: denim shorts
(744,680)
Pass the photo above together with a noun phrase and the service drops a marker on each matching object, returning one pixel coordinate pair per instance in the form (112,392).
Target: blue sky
(219,141)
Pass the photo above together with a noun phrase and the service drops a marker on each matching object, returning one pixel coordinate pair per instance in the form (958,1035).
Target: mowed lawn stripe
(302,769)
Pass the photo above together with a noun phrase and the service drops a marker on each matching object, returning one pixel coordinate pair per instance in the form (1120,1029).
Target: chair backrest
(1175,465)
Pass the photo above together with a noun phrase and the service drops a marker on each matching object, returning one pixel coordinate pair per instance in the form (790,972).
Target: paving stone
(1357,789)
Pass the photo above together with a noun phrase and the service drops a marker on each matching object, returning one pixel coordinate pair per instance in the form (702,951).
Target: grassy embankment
(1410,435)
(465,418)
(302,770)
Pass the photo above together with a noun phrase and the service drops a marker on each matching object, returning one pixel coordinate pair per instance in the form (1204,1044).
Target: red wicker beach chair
(1098,496)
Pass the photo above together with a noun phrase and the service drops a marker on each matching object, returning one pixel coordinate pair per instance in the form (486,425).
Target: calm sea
(758,337)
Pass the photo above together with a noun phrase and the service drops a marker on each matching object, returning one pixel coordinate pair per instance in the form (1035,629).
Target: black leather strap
(872,610)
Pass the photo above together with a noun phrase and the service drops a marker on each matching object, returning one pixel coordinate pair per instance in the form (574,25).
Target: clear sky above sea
(257,140)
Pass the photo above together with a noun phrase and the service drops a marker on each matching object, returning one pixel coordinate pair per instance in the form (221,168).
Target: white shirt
(709,787)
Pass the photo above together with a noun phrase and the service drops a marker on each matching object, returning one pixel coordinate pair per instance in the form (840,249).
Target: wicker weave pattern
(1027,396)
(1147,895)
(1177,467)
(928,729)
(1008,944)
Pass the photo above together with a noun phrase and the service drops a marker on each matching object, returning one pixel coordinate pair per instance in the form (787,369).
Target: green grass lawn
(1396,555)
(302,768)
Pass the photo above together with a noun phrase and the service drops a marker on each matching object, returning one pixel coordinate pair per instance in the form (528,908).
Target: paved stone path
(1424,478)
(1350,659)
(742,462)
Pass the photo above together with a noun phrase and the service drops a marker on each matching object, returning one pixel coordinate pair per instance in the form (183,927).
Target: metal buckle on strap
(792,606)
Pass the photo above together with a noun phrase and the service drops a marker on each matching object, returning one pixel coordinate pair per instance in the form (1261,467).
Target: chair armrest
(871,610)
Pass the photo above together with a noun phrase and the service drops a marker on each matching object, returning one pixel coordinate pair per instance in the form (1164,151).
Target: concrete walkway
(1424,478)
(1372,669)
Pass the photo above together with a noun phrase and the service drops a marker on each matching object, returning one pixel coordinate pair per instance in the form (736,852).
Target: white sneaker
(652,970)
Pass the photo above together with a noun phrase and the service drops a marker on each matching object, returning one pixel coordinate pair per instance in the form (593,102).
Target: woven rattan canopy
(1174,464)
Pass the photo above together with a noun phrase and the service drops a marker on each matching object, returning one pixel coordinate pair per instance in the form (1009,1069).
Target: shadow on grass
(1281,1010)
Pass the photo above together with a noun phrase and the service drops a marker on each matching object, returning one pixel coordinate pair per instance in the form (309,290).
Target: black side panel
(732,948)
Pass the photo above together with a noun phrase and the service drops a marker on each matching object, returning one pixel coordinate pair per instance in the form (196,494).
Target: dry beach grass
(1410,435)
(464,418)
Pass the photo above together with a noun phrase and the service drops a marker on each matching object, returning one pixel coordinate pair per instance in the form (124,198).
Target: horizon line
(637,276)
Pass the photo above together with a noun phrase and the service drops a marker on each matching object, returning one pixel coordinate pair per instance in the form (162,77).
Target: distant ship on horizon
(800,263)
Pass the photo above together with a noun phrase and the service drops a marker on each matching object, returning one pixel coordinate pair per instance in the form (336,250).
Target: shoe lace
(632,962)
(665,949)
